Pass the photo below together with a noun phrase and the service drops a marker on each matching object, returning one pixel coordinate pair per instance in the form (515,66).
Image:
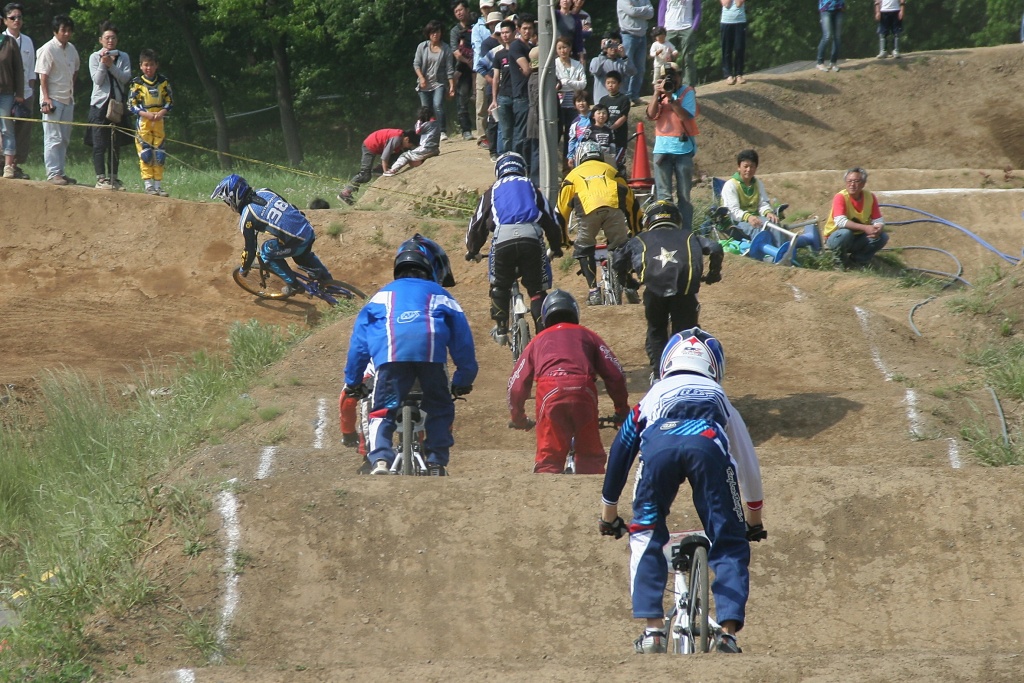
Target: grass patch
(989,448)
(269,413)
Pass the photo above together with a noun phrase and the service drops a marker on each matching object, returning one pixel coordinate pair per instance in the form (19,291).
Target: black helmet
(662,214)
(428,256)
(559,307)
(413,259)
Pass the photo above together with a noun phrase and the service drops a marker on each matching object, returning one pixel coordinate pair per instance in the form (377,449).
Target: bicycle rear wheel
(407,440)
(262,282)
(520,338)
(699,600)
(342,290)
(614,289)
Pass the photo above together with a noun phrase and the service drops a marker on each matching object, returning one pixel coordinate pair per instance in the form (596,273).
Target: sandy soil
(892,556)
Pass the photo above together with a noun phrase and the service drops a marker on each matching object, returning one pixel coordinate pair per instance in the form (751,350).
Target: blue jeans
(512,115)
(435,100)
(6,126)
(669,167)
(854,247)
(56,138)
(636,53)
(831,31)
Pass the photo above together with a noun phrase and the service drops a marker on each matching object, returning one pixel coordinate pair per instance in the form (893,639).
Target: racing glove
(756,533)
(618,419)
(617,528)
(357,391)
(712,277)
(461,390)
(470,256)
(245,259)
(525,425)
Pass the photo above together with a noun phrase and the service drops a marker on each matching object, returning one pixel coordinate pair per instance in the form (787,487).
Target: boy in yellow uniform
(150,100)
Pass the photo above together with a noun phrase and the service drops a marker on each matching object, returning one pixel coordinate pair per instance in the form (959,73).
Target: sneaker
(293,288)
(740,80)
(821,67)
(466,135)
(161,192)
(483,142)
(896,54)
(365,467)
(152,191)
(731,80)
(499,335)
(350,440)
(362,178)
(104,184)
(594,298)
(833,66)
(346,196)
(494,157)
(9,171)
(70,180)
(388,174)
(57,180)
(435,470)
(116,184)
(20,174)
(727,644)
(651,643)
(638,103)
(380,467)
(882,55)
(631,295)
(444,137)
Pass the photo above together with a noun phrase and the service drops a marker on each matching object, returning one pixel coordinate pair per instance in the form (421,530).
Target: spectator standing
(612,58)
(111,71)
(12,75)
(512,72)
(150,100)
(462,46)
(579,126)
(57,64)
(14,16)
(673,110)
(889,15)
(855,229)
(618,105)
(569,25)
(733,31)
(570,78)
(434,65)
(662,52)
(831,14)
(482,30)
(681,18)
(634,15)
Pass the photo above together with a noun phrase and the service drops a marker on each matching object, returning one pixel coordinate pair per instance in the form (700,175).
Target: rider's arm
(608,367)
(741,447)
(620,458)
(550,222)
(249,235)
(520,384)
(358,348)
(460,346)
(481,223)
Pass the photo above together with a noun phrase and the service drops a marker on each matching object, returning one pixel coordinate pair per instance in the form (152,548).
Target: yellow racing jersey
(147,95)
(593,185)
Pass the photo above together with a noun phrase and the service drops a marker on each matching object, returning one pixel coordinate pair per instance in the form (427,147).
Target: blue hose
(936,219)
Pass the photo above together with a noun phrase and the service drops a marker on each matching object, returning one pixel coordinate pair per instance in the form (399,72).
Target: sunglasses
(15,17)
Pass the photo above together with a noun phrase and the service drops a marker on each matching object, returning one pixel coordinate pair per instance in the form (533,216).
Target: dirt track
(886,561)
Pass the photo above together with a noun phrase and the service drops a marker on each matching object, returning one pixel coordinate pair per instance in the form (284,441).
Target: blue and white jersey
(412,320)
(685,405)
(506,208)
(270,212)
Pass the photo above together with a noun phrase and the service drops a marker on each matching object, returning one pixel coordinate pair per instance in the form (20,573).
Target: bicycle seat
(413,398)
(682,551)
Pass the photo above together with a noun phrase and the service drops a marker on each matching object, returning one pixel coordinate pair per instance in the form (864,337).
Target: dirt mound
(891,555)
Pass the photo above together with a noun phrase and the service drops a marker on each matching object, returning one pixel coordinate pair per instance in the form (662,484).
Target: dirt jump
(892,554)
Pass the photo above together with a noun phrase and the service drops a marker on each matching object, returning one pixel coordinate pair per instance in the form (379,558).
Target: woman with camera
(110,70)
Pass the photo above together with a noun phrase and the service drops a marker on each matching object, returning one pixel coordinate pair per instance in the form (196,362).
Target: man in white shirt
(57,63)
(13,19)
(681,19)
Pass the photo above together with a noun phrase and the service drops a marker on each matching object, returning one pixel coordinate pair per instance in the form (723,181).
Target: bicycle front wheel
(262,282)
(342,290)
(699,600)
(407,439)
(613,288)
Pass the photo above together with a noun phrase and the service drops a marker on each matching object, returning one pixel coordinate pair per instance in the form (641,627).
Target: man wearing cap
(481,32)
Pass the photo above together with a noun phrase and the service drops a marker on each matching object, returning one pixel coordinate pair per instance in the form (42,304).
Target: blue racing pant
(274,254)
(393,383)
(667,459)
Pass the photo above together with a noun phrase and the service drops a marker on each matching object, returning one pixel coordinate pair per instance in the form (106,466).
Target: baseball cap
(495,18)
(486,3)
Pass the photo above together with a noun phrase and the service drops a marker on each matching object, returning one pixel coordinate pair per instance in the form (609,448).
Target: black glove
(462,390)
(617,528)
(756,533)
(357,391)
(526,425)
(712,277)
(556,253)
(617,419)
(470,256)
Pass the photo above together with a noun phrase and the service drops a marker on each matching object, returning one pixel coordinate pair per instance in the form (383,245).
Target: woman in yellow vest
(745,197)
(855,229)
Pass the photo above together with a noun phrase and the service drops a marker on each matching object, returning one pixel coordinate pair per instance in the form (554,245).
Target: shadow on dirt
(799,416)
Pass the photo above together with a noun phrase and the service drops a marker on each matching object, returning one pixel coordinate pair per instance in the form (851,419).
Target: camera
(668,84)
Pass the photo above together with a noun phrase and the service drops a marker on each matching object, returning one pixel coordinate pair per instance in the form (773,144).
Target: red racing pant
(567,410)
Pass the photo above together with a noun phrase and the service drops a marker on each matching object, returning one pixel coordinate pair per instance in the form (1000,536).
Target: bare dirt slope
(891,557)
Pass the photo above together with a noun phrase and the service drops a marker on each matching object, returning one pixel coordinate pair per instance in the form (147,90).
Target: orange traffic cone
(642,177)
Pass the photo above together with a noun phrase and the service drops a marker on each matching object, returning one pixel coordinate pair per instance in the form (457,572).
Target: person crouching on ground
(565,359)
(855,229)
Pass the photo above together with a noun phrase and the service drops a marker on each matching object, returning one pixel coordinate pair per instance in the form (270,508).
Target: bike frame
(681,633)
(410,423)
(518,324)
(607,281)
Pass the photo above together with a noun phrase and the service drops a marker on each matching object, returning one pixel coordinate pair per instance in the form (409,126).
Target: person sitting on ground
(408,329)
(668,259)
(598,198)
(518,216)
(690,432)
(745,197)
(388,143)
(565,359)
(855,229)
(292,236)
(430,143)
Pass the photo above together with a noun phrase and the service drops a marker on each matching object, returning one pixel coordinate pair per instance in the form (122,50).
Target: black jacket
(668,261)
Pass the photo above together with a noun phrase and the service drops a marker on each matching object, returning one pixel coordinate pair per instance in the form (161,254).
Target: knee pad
(161,157)
(146,154)
(499,294)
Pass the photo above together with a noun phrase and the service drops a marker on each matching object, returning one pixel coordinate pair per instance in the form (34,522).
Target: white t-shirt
(661,52)
(890,5)
(679,15)
(60,66)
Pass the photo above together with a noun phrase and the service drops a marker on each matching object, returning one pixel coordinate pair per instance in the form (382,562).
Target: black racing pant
(521,259)
(683,309)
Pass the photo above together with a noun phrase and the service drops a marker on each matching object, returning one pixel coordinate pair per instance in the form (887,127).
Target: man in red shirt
(565,359)
(855,230)
(388,143)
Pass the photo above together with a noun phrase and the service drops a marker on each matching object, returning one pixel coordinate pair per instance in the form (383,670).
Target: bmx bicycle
(518,323)
(689,625)
(609,288)
(570,458)
(266,284)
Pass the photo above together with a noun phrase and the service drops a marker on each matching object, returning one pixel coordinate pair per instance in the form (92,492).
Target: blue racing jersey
(511,202)
(412,320)
(270,212)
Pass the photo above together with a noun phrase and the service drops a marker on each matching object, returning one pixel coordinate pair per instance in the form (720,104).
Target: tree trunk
(282,76)
(181,19)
